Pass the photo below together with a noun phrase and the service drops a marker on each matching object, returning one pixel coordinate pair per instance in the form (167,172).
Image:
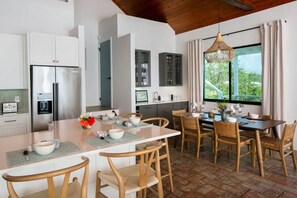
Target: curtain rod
(227,34)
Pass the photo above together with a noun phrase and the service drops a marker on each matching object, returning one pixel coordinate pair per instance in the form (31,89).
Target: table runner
(107,141)
(17,158)
(140,125)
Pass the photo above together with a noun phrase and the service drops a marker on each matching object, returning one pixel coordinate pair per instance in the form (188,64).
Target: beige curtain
(273,63)
(195,72)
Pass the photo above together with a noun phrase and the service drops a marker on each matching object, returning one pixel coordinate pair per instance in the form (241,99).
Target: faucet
(156,94)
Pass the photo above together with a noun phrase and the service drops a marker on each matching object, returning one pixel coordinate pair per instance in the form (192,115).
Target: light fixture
(219,51)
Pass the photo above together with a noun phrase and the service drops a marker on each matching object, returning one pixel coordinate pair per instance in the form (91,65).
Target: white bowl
(44,148)
(134,120)
(116,133)
(195,114)
(110,115)
(254,116)
(231,119)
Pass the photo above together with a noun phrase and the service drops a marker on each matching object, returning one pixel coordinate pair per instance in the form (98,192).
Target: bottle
(171,97)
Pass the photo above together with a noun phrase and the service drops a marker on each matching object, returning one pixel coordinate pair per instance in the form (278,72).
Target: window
(236,81)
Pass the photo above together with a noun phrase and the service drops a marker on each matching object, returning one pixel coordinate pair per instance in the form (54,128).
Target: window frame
(230,83)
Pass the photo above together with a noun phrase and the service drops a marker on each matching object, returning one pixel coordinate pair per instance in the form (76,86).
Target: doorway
(105,74)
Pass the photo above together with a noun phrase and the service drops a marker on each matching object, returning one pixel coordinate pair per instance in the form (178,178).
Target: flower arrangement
(86,120)
(222,106)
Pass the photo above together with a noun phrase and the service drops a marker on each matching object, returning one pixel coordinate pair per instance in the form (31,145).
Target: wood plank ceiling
(186,15)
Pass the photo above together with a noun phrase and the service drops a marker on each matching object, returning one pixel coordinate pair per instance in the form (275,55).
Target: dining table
(245,123)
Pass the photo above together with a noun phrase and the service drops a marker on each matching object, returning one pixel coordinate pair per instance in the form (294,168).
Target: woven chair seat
(251,134)
(130,176)
(273,143)
(72,192)
(229,140)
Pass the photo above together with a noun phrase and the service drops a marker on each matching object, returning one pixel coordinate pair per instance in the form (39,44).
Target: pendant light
(219,51)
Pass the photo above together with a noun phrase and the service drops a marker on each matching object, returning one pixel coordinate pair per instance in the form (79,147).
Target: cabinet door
(12,74)
(42,49)
(165,111)
(142,68)
(13,125)
(147,111)
(170,69)
(66,51)
(180,105)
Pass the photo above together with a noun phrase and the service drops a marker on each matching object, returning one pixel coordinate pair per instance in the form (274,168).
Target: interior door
(105,74)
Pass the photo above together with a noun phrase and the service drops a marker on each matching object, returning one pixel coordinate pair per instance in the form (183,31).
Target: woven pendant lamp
(219,51)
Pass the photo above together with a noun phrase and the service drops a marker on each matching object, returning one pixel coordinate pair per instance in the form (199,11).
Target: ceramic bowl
(134,120)
(254,116)
(45,147)
(231,119)
(110,115)
(116,133)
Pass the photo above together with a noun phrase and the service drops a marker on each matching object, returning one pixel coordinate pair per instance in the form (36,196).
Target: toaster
(9,107)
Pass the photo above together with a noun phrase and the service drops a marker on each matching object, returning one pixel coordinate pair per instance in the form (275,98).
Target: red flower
(91,120)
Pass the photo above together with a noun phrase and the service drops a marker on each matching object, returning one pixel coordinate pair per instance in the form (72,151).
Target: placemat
(107,141)
(140,125)
(17,158)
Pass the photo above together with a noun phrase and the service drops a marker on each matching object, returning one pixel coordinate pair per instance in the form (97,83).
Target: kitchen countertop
(160,102)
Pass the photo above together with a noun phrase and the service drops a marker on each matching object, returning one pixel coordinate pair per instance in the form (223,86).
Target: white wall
(47,16)
(156,37)
(89,13)
(287,12)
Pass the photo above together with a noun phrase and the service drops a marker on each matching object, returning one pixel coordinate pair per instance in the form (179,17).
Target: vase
(223,116)
(86,127)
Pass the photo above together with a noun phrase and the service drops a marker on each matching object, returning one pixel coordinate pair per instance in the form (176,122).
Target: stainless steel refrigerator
(55,95)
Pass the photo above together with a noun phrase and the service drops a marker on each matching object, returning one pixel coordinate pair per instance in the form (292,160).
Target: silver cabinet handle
(57,61)
(10,121)
(54,61)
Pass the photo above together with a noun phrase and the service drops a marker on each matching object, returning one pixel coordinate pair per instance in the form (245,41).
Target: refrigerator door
(42,79)
(68,92)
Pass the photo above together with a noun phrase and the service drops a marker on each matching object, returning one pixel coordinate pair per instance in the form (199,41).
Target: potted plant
(222,106)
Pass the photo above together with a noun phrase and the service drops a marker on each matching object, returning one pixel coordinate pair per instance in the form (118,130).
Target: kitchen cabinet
(12,59)
(161,110)
(142,68)
(170,69)
(46,49)
(14,124)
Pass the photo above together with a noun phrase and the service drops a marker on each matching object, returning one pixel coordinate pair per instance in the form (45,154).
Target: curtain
(195,72)
(273,63)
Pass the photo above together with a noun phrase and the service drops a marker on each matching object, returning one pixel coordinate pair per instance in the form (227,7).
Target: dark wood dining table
(255,126)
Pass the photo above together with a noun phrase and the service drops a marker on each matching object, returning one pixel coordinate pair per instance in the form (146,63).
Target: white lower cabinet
(15,124)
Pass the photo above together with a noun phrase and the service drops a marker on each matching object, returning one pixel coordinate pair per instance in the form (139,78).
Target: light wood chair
(161,122)
(282,145)
(176,114)
(228,134)
(191,132)
(71,190)
(128,115)
(135,178)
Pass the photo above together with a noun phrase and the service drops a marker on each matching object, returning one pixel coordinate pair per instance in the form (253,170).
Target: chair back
(50,180)
(226,129)
(152,154)
(159,121)
(263,116)
(128,115)
(176,114)
(189,123)
(288,132)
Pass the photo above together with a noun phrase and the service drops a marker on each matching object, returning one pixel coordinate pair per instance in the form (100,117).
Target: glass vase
(223,116)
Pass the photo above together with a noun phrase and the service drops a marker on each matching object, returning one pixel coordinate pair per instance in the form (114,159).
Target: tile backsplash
(8,95)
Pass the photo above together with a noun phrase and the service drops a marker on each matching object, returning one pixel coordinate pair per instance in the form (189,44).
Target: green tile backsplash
(7,95)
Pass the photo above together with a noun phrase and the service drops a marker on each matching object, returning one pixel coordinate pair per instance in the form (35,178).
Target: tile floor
(201,178)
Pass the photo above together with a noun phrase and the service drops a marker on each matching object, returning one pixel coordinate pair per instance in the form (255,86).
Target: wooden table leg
(275,133)
(259,153)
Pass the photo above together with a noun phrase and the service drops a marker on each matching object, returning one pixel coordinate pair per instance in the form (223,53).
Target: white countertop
(160,102)
(70,130)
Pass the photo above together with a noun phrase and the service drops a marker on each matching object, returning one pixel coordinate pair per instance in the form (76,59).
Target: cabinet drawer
(180,105)
(13,121)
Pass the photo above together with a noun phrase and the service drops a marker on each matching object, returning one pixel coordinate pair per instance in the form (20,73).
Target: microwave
(9,107)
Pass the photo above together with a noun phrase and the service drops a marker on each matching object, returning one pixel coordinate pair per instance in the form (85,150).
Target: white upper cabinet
(46,49)
(12,75)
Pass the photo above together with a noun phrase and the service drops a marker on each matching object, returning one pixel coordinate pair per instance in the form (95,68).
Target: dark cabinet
(147,111)
(170,69)
(142,68)
(161,110)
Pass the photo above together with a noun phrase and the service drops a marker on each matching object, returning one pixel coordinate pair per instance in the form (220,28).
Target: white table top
(70,130)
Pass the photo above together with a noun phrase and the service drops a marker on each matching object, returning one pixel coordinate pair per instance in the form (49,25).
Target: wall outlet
(17,98)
